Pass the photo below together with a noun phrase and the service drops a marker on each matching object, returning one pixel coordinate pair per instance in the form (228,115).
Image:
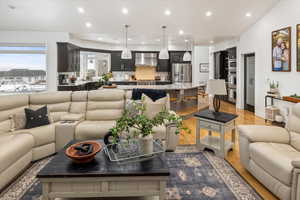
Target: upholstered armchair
(272,155)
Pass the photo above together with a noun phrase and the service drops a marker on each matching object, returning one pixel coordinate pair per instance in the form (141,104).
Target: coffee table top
(63,167)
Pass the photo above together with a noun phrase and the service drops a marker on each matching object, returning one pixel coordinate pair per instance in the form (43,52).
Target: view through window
(22,69)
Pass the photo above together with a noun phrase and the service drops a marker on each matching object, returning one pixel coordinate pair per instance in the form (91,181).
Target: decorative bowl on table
(83,152)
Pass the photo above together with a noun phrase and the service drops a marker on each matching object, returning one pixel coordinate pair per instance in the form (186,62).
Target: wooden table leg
(222,141)
(46,191)
(198,134)
(162,190)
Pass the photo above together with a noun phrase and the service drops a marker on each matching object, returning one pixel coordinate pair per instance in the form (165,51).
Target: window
(22,69)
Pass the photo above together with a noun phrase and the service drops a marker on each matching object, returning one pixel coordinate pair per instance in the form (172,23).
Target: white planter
(146,144)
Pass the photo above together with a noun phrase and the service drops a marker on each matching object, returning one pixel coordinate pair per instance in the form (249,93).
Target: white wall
(48,38)
(257,40)
(200,55)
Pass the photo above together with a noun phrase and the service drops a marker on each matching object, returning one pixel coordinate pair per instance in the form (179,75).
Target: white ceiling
(145,17)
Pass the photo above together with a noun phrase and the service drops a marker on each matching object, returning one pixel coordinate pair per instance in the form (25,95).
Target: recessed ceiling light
(208,13)
(186,40)
(181,32)
(248,14)
(88,24)
(211,41)
(129,39)
(158,40)
(142,42)
(125,11)
(99,38)
(167,12)
(80,10)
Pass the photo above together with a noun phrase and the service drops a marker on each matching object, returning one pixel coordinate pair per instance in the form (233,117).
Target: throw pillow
(36,118)
(130,107)
(153,107)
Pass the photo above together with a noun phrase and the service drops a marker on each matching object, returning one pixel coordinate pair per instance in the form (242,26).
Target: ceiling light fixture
(142,43)
(211,42)
(208,13)
(181,32)
(88,24)
(125,11)
(164,54)
(248,14)
(81,10)
(129,39)
(100,38)
(187,57)
(126,53)
(167,12)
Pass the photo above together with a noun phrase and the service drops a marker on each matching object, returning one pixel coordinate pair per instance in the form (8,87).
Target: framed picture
(204,67)
(298,48)
(281,50)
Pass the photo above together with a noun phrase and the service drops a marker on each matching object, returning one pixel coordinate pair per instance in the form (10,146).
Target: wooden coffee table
(61,178)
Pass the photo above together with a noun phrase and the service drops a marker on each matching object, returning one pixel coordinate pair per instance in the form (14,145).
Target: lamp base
(216,103)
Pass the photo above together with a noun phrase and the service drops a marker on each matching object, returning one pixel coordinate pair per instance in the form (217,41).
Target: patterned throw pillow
(36,118)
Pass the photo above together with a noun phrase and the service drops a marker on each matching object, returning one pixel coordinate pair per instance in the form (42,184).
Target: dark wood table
(61,178)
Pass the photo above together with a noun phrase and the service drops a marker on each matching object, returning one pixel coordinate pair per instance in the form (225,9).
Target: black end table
(220,122)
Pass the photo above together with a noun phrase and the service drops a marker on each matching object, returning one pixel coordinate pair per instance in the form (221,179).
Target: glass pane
(7,48)
(21,73)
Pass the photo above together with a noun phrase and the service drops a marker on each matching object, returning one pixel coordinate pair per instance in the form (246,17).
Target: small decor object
(279,118)
(36,118)
(83,152)
(271,112)
(293,98)
(274,92)
(298,48)
(216,87)
(104,79)
(147,144)
(73,79)
(109,139)
(281,50)
(204,67)
(140,126)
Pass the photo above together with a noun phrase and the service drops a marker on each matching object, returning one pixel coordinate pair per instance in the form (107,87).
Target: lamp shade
(216,87)
(163,54)
(187,56)
(126,54)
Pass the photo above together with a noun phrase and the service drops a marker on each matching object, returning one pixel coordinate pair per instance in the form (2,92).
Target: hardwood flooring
(245,117)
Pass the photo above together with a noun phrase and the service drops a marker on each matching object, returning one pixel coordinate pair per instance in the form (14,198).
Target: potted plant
(135,124)
(274,87)
(104,79)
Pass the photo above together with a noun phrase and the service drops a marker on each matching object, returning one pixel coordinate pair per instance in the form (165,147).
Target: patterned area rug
(194,176)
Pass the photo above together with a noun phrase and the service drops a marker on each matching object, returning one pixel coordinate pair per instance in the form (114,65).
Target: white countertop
(174,86)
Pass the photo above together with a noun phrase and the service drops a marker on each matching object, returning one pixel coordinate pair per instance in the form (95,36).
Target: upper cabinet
(68,57)
(119,64)
(177,57)
(163,66)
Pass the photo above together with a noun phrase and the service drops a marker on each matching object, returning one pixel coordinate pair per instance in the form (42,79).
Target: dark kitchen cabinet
(177,57)
(232,53)
(68,57)
(118,64)
(163,66)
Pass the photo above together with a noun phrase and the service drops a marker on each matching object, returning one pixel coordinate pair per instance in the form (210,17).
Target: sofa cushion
(275,159)
(153,107)
(72,117)
(36,118)
(93,129)
(13,147)
(42,135)
(6,126)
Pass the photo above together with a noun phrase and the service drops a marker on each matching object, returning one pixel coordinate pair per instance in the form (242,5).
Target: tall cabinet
(68,57)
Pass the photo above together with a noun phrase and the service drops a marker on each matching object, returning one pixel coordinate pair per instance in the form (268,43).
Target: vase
(146,144)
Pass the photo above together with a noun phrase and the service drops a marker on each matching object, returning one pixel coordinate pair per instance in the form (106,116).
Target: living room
(149,100)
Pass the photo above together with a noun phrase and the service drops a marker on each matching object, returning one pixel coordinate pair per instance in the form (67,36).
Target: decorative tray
(130,151)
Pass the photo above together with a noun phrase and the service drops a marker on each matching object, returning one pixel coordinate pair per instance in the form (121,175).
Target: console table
(218,122)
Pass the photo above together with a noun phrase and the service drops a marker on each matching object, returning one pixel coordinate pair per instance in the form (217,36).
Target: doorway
(249,86)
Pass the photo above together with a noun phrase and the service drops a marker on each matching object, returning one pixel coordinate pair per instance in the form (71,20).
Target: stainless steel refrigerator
(181,73)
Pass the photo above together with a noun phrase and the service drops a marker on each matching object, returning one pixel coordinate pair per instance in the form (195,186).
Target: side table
(64,133)
(218,122)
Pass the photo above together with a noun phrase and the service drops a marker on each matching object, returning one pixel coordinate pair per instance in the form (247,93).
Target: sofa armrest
(72,117)
(256,133)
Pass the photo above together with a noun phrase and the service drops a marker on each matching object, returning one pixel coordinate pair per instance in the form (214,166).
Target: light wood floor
(245,117)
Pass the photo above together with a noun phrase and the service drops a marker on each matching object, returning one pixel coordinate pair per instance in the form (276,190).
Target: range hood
(146,59)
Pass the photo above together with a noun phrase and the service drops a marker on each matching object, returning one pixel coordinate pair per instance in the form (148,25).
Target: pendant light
(126,53)
(164,54)
(187,56)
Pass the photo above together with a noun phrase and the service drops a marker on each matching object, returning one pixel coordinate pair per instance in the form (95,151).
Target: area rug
(194,176)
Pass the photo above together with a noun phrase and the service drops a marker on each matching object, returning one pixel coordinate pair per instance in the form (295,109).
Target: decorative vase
(274,90)
(146,144)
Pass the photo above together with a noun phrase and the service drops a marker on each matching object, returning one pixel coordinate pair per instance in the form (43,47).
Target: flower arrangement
(104,79)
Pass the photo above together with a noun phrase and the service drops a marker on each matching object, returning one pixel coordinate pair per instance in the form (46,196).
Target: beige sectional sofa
(97,112)
(272,155)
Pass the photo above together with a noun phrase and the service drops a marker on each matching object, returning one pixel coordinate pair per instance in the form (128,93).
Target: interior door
(250,82)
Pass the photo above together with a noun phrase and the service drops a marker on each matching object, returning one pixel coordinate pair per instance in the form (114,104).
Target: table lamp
(216,87)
